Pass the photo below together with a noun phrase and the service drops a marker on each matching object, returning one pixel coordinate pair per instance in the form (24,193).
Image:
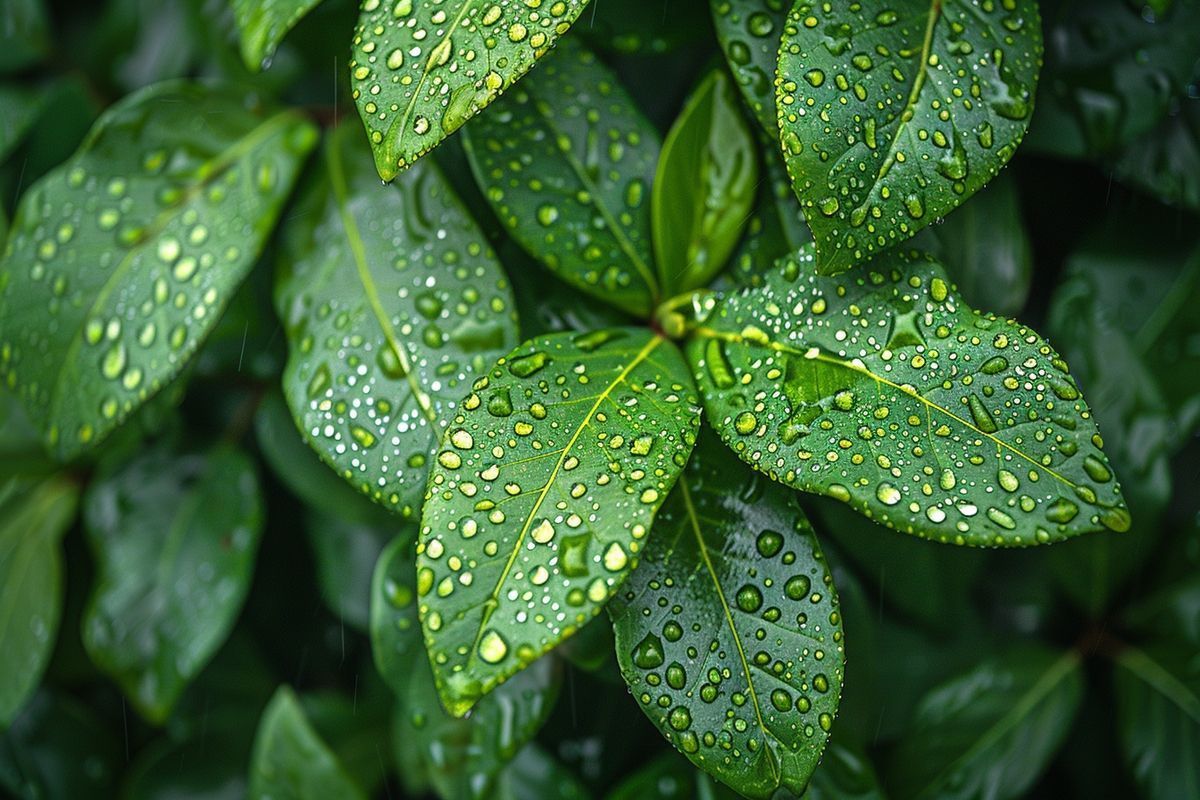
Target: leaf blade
(262,24)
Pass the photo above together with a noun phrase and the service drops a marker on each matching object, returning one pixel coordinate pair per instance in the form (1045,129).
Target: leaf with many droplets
(728,633)
(704,188)
(175,539)
(585,214)
(33,518)
(264,23)
(749,32)
(883,390)
(421,69)
(120,261)
(392,301)
(892,116)
(544,488)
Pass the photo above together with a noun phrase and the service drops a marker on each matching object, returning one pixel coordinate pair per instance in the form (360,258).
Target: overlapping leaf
(883,390)
(775,229)
(567,161)
(120,261)
(264,23)
(420,70)
(544,490)
(891,116)
(392,301)
(750,32)
(729,633)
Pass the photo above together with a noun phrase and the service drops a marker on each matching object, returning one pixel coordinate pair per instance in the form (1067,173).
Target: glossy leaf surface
(420,70)
(728,633)
(120,261)
(567,162)
(891,117)
(749,32)
(392,301)
(175,539)
(883,390)
(775,229)
(263,24)
(704,187)
(545,487)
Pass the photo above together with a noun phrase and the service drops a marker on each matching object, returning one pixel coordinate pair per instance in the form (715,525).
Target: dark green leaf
(884,391)
(546,485)
(24,35)
(208,767)
(669,777)
(728,633)
(392,301)
(290,761)
(421,70)
(534,775)
(174,539)
(844,774)
(642,27)
(57,748)
(704,187)
(395,629)
(891,117)
(586,212)
(990,732)
(1166,161)
(121,260)
(33,518)
(749,32)
(547,305)
(1171,613)
(264,23)
(346,552)
(19,107)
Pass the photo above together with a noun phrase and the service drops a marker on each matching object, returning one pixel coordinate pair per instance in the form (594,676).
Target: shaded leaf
(586,213)
(547,305)
(19,107)
(263,24)
(418,75)
(535,774)
(749,32)
(121,260)
(642,27)
(844,774)
(174,538)
(669,777)
(345,553)
(546,484)
(884,391)
(392,300)
(24,34)
(208,767)
(1166,161)
(890,118)
(57,748)
(728,633)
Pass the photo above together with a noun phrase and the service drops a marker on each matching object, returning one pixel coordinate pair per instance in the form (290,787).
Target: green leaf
(534,774)
(421,70)
(174,538)
(1166,161)
(1158,715)
(844,774)
(883,390)
(211,766)
(345,554)
(669,777)
(890,118)
(57,748)
(728,633)
(392,301)
(121,260)
(290,761)
(749,32)
(544,489)
(394,626)
(263,24)
(990,732)
(704,188)
(19,107)
(638,27)
(33,518)
(24,34)
(586,214)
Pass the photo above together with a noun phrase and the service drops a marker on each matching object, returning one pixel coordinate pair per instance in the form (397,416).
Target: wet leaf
(120,261)
(392,301)
(883,390)
(749,32)
(585,214)
(704,188)
(421,70)
(290,760)
(892,117)
(545,486)
(990,732)
(174,538)
(264,23)
(728,633)
(33,518)
(1166,161)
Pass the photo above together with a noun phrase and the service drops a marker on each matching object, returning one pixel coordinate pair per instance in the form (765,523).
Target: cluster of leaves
(555,405)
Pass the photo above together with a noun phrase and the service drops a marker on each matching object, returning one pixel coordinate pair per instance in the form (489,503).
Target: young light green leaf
(883,390)
(291,762)
(704,188)
(120,261)
(392,301)
(890,117)
(990,732)
(545,486)
(33,518)
(420,70)
(1158,715)
(749,32)
(174,538)
(264,23)
(586,213)
(728,633)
